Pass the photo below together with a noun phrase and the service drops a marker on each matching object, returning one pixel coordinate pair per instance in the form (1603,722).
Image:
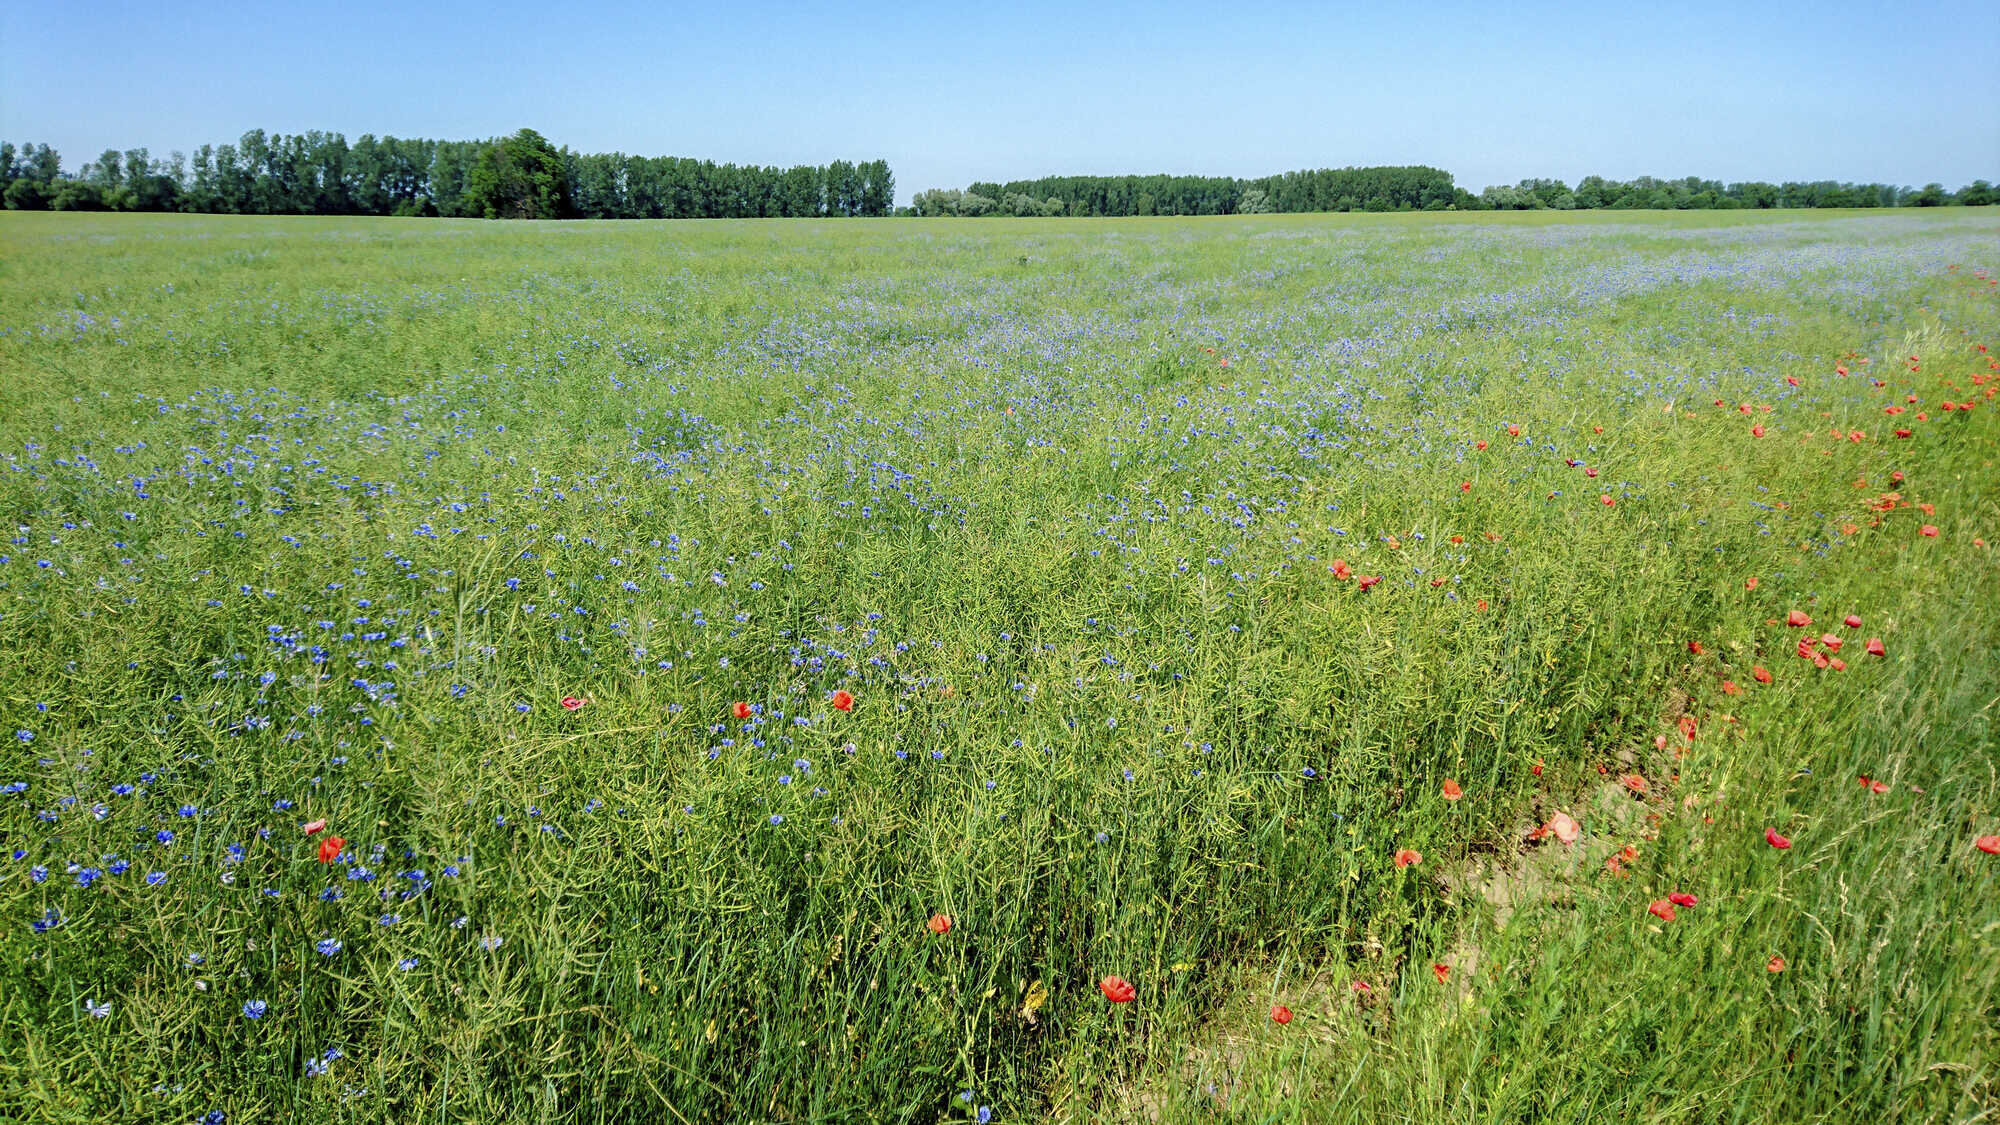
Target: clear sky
(949,93)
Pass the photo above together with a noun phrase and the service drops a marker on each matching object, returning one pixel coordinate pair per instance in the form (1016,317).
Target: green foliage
(522,177)
(997,480)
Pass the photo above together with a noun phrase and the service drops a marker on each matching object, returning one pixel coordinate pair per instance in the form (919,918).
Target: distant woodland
(525,176)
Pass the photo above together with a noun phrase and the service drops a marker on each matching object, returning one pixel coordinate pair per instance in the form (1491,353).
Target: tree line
(1326,189)
(521,176)
(1407,189)
(1694,193)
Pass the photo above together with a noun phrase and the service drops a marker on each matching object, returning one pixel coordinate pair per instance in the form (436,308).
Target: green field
(1179,573)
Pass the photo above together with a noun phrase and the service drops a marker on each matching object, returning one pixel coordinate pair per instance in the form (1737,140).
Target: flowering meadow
(1427,668)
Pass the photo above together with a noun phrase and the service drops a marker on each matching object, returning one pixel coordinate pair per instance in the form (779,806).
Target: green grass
(1114,713)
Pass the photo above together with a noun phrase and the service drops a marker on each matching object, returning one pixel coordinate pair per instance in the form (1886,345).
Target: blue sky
(950,93)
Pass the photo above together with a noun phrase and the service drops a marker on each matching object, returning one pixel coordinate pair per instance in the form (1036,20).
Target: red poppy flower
(329,848)
(1878,787)
(1479,444)
(1480,605)
(1597,429)
(1360,986)
(1694,647)
(1536,769)
(1340,569)
(1797,619)
(1729,688)
(1929,531)
(1465,486)
(1606,500)
(1853,621)
(1280,1014)
(1775,965)
(1682,898)
(1443,972)
(740,710)
(571,703)
(1634,782)
(314,828)
(1451,790)
(1988,844)
(1565,827)
(1118,990)
(843,701)
(1367,581)
(1875,647)
(1831,642)
(1837,664)
(1661,909)
(1772,838)
(1760,673)
(1840,370)
(1750,583)
(939,924)
(1407,856)
(1513,431)
(1757,430)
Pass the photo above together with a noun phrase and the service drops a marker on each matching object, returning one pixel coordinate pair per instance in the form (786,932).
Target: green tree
(521,177)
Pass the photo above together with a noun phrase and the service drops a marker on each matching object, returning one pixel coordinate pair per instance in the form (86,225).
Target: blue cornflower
(407,963)
(155,878)
(328,946)
(777,819)
(253,1010)
(164,836)
(97,1011)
